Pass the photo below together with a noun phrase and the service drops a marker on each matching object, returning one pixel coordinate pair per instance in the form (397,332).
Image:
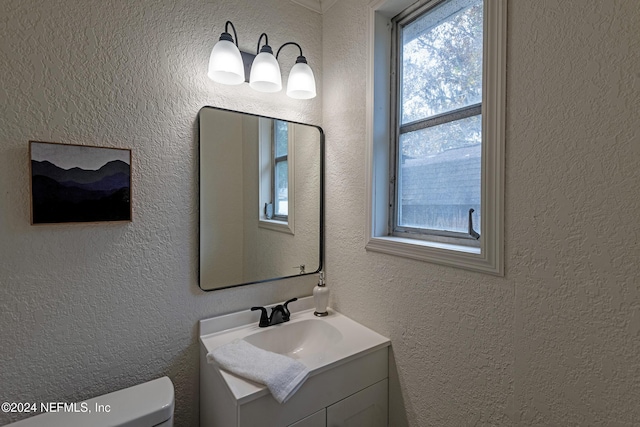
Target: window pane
(282,189)
(442,60)
(281,138)
(439,176)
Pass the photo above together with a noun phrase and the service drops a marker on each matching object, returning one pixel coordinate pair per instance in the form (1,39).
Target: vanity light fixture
(265,70)
(227,65)
(301,83)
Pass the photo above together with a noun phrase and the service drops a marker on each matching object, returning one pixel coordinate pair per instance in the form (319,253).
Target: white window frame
(489,257)
(266,171)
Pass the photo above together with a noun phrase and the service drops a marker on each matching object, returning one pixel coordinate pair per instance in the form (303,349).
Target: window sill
(452,255)
(271,224)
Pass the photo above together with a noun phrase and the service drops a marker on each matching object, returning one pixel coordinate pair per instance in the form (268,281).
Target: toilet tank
(143,405)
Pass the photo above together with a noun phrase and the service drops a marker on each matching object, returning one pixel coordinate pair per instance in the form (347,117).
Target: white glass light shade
(265,73)
(301,83)
(225,64)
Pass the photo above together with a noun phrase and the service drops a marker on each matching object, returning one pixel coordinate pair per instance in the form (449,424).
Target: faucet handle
(287,313)
(264,317)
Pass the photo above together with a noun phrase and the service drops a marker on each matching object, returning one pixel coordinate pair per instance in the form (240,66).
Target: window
(436,131)
(279,170)
(437,139)
(276,175)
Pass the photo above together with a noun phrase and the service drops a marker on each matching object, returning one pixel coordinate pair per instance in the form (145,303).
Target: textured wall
(87,309)
(556,341)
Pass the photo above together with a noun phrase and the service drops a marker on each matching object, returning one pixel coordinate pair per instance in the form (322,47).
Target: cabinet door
(319,419)
(366,408)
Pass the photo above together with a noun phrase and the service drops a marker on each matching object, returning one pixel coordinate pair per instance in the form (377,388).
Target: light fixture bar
(247,61)
(287,44)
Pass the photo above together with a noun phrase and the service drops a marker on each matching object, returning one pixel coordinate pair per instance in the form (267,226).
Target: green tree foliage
(441,72)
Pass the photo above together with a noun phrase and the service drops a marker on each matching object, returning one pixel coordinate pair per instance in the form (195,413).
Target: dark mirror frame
(321,221)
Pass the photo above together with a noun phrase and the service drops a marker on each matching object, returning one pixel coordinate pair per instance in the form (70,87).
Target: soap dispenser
(321,297)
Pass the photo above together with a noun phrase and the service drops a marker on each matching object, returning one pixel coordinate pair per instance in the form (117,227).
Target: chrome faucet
(279,314)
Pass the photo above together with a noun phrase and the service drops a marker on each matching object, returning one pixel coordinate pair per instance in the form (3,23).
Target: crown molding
(319,6)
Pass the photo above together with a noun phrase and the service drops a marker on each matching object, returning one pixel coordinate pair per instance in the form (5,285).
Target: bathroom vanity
(348,365)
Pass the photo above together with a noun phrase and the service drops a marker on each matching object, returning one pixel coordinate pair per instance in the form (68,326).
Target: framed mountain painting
(79,183)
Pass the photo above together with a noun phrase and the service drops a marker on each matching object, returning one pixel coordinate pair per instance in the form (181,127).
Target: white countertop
(355,341)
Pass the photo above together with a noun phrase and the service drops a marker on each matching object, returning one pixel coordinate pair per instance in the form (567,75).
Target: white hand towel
(282,375)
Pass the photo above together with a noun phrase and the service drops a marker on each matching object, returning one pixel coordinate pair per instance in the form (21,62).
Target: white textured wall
(556,341)
(87,309)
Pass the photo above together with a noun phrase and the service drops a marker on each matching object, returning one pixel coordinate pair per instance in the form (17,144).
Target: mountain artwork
(78,183)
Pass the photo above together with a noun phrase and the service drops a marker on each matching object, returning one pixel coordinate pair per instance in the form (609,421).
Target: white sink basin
(299,340)
(321,343)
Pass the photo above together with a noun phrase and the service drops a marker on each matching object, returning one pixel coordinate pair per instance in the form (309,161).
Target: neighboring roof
(449,178)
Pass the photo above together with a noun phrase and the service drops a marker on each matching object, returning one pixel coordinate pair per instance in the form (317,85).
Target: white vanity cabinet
(347,384)
(354,390)
(365,408)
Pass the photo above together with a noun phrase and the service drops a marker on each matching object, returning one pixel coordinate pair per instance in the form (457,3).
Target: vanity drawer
(368,407)
(318,392)
(319,419)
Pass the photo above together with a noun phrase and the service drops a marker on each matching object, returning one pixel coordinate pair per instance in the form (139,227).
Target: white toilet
(143,405)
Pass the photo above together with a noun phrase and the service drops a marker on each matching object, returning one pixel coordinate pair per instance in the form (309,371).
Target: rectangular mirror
(261,198)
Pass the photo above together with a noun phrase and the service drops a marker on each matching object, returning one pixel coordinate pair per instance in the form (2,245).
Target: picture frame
(73,183)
